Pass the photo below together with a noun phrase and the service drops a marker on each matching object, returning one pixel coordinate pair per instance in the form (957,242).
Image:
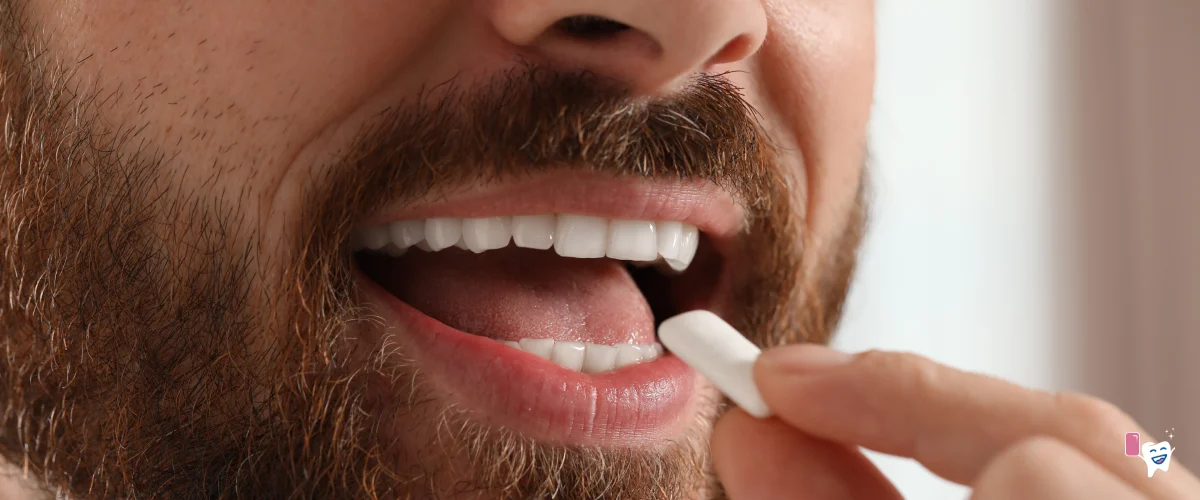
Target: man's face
(375,249)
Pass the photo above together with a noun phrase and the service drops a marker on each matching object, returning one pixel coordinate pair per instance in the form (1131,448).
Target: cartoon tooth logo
(1157,456)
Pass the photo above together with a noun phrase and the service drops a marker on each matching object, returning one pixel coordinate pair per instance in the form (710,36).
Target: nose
(648,44)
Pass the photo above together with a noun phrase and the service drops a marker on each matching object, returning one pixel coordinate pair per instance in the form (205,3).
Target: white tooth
(670,238)
(568,355)
(395,251)
(628,354)
(374,238)
(537,347)
(485,234)
(581,236)
(406,233)
(423,246)
(652,352)
(632,240)
(599,358)
(533,231)
(461,244)
(442,233)
(665,269)
(687,248)
(511,343)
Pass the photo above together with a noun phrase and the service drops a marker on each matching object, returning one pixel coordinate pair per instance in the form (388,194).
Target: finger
(951,421)
(766,459)
(1044,468)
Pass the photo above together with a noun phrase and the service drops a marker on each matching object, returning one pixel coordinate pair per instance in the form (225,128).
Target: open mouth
(544,322)
(1159,459)
(585,293)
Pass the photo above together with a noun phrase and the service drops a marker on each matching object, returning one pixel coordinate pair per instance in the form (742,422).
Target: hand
(1003,440)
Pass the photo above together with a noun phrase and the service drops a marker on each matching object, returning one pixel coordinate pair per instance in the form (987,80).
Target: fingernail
(802,359)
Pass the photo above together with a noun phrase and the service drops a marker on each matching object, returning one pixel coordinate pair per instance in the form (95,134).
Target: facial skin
(181,183)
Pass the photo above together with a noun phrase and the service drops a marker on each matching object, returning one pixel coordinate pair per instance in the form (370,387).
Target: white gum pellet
(707,343)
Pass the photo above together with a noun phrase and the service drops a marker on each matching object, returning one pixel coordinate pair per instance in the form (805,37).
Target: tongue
(516,293)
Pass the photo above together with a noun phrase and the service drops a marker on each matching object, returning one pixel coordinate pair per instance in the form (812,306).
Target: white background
(958,259)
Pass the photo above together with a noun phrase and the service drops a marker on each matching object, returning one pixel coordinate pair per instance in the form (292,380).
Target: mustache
(532,119)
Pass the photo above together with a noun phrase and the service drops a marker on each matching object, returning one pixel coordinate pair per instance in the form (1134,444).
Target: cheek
(815,75)
(233,90)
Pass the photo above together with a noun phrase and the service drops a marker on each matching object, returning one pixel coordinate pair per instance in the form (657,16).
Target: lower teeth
(587,357)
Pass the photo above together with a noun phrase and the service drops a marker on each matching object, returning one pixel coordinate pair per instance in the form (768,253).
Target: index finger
(952,422)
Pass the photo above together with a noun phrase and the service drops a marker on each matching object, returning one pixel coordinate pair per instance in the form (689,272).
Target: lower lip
(501,386)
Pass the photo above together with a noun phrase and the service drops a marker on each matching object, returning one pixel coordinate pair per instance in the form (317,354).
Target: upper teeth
(571,236)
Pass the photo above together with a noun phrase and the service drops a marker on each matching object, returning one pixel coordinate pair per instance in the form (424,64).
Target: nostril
(589,27)
(598,44)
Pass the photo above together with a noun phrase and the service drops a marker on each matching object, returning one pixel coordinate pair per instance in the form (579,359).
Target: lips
(1159,459)
(538,313)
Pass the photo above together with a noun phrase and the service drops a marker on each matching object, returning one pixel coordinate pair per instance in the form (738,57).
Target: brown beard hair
(128,363)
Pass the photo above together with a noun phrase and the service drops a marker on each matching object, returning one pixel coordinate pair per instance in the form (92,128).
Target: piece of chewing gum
(707,343)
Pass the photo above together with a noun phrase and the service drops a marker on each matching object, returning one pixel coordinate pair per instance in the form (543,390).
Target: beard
(155,346)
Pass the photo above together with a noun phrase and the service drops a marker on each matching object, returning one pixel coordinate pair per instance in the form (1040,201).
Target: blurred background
(1035,185)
